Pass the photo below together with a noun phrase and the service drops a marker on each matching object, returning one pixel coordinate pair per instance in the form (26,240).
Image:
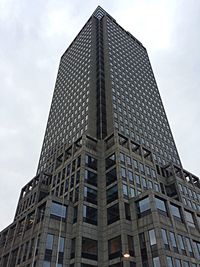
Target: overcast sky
(33,36)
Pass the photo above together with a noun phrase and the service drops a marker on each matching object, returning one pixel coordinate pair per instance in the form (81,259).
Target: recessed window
(110,161)
(112,194)
(143,207)
(49,241)
(58,210)
(181,244)
(175,211)
(111,177)
(170,262)
(90,195)
(91,177)
(89,248)
(113,213)
(156,262)
(161,206)
(165,238)
(152,237)
(173,241)
(189,219)
(89,215)
(114,247)
(90,162)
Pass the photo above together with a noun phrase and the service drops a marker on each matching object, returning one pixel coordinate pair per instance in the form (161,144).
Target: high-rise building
(110,189)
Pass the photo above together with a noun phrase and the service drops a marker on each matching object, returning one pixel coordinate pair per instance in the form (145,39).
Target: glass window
(73,246)
(131,246)
(122,158)
(89,248)
(189,246)
(169,262)
(175,210)
(89,215)
(113,213)
(130,176)
(138,182)
(114,247)
(152,237)
(161,206)
(123,173)
(49,241)
(189,219)
(173,241)
(156,262)
(178,263)
(197,249)
(125,190)
(112,194)
(165,238)
(132,192)
(127,211)
(181,244)
(58,210)
(111,177)
(186,264)
(46,264)
(143,207)
(90,195)
(90,162)
(144,183)
(61,244)
(91,177)
(110,161)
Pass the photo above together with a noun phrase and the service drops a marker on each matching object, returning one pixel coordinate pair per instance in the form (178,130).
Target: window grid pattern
(68,118)
(138,109)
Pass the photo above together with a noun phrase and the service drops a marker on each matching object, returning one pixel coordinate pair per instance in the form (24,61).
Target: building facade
(110,189)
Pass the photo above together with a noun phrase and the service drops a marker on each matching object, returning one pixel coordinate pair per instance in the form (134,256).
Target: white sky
(34,34)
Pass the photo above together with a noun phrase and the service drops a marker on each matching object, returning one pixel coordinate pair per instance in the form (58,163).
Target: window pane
(89,215)
(111,176)
(91,177)
(156,262)
(110,161)
(46,264)
(160,205)
(143,206)
(61,244)
(113,213)
(165,238)
(90,195)
(112,194)
(114,247)
(189,219)
(178,262)
(152,237)
(58,210)
(89,248)
(90,162)
(175,210)
(169,262)
(49,242)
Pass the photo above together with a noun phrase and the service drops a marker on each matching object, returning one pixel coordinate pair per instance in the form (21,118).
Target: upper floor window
(91,177)
(112,194)
(58,210)
(143,207)
(110,161)
(89,248)
(189,219)
(175,210)
(90,162)
(161,206)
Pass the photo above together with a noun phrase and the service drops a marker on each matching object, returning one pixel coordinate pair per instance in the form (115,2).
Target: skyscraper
(110,189)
